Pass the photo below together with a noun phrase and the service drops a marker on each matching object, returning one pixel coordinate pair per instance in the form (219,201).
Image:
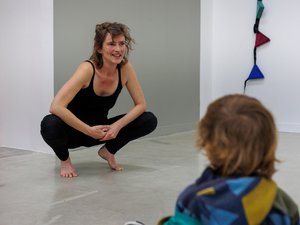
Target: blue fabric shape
(255,73)
(279,219)
(204,220)
(220,216)
(238,186)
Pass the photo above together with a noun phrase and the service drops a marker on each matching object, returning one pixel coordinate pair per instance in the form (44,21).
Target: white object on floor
(134,223)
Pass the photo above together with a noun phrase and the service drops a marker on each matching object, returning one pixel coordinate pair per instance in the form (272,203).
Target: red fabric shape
(261,39)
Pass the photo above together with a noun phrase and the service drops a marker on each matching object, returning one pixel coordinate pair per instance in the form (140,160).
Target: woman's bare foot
(110,158)
(67,169)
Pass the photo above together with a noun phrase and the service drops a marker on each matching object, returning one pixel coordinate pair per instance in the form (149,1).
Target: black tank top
(91,108)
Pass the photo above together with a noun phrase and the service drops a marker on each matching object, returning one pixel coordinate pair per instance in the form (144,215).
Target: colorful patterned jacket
(215,200)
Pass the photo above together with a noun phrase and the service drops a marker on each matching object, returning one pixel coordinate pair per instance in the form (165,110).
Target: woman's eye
(113,44)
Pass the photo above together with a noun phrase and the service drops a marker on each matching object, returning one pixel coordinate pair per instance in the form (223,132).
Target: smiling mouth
(117,56)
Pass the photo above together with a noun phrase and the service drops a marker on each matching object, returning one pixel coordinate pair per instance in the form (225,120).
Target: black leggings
(60,136)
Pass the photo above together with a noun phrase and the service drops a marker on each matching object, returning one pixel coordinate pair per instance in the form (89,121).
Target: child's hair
(239,136)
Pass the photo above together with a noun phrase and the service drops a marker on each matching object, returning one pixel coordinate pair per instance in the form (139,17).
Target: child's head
(239,137)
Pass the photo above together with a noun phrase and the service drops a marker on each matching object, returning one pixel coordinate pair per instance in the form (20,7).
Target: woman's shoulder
(83,73)
(127,72)
(87,65)
(87,68)
(126,67)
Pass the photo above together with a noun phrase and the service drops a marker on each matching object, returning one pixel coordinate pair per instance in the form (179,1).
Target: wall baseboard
(288,127)
(171,129)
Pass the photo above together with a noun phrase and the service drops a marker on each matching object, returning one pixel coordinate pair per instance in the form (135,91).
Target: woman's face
(113,49)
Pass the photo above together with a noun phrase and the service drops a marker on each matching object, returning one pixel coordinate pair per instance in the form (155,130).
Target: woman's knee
(52,127)
(150,121)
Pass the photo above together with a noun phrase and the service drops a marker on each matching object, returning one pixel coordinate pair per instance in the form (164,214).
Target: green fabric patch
(182,219)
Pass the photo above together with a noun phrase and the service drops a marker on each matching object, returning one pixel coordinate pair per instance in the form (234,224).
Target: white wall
(227,42)
(26,81)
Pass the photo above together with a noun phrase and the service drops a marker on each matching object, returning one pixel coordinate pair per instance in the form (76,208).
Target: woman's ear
(99,50)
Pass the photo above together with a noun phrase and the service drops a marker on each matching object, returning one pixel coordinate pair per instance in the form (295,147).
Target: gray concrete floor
(156,170)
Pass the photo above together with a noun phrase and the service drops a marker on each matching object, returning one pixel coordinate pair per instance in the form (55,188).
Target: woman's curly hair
(114,29)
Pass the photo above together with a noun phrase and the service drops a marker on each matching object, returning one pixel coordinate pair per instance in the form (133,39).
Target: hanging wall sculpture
(260,39)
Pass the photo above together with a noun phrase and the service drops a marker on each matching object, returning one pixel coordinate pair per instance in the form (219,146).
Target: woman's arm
(80,79)
(129,79)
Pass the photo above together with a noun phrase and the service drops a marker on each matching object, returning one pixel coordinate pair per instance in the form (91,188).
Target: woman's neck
(108,70)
